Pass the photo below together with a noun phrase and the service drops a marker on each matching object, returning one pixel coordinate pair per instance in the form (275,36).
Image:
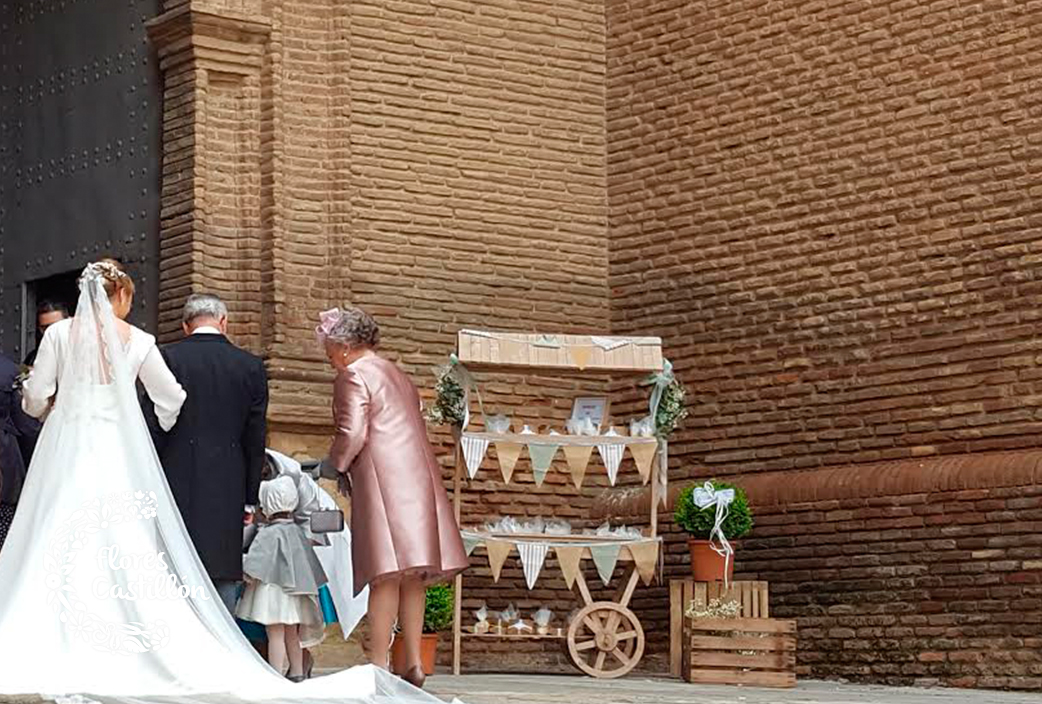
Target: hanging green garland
(450,399)
(667,400)
(671,409)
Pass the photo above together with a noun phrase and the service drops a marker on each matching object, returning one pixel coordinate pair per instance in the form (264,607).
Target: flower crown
(101,272)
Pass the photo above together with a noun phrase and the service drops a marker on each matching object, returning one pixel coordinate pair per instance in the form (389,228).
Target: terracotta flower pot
(707,565)
(428,654)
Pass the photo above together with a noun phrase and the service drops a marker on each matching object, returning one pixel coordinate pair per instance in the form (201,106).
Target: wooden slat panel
(484,349)
(676,627)
(741,643)
(761,661)
(750,679)
(688,591)
(749,625)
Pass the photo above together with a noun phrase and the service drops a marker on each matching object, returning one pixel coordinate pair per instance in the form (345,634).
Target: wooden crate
(757,652)
(752,596)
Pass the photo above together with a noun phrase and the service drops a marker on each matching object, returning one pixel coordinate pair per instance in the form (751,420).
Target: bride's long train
(102,595)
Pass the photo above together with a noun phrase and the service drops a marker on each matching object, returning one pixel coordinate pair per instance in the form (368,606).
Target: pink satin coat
(401,518)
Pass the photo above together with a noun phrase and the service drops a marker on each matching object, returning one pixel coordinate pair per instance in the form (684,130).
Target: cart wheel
(605,640)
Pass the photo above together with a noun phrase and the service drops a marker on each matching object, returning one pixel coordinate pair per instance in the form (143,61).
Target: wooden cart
(604,638)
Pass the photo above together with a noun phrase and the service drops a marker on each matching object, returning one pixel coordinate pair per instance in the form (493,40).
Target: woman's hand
(343,484)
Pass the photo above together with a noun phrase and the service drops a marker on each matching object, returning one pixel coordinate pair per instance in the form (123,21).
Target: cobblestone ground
(536,689)
(540,689)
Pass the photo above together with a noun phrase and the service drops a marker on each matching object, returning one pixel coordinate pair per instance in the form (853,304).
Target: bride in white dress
(101,591)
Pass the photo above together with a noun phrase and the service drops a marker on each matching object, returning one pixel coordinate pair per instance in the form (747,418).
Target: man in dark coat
(17,437)
(47,314)
(214,456)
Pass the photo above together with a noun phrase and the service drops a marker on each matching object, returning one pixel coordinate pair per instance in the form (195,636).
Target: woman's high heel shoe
(295,678)
(415,677)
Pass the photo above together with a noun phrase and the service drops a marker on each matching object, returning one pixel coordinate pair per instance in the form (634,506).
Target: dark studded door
(80,124)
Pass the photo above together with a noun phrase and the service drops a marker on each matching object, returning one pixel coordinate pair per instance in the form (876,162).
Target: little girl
(283,579)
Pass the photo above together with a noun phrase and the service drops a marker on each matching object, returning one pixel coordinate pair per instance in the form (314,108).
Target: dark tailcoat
(214,455)
(18,434)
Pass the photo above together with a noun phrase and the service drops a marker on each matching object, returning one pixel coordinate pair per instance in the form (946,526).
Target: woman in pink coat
(404,533)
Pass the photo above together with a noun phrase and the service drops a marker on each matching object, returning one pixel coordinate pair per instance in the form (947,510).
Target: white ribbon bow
(706,496)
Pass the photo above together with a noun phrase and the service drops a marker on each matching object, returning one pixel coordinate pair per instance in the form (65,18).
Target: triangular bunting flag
(578,457)
(470,542)
(497,555)
(532,557)
(611,455)
(645,557)
(542,457)
(474,452)
(580,355)
(643,454)
(569,557)
(508,452)
(663,477)
(605,557)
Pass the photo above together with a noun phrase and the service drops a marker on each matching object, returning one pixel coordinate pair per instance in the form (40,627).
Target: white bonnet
(279,495)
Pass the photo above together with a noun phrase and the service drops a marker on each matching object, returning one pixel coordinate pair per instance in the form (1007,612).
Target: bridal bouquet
(23,376)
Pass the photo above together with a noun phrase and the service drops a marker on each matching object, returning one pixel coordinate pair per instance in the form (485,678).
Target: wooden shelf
(562,439)
(515,636)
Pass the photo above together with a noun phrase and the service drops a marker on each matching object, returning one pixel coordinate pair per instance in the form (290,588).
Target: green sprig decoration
(448,408)
(671,409)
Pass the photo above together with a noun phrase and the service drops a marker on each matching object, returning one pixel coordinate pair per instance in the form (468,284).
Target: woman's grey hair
(203,305)
(354,328)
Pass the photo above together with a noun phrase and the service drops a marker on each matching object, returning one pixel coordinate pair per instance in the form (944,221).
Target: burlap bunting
(497,554)
(644,457)
(570,559)
(508,454)
(645,557)
(578,457)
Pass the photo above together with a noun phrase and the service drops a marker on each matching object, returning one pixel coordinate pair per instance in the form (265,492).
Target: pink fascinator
(327,321)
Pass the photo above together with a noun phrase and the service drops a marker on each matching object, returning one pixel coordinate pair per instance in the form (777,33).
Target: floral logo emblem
(59,561)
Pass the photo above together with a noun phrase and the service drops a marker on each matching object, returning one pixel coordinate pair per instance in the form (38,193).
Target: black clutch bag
(327,521)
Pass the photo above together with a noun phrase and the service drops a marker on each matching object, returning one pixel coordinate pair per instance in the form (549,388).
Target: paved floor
(539,689)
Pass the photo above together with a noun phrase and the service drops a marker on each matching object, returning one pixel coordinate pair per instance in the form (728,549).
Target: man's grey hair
(203,305)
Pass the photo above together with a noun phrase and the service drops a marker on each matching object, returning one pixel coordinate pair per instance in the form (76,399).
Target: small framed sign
(594,408)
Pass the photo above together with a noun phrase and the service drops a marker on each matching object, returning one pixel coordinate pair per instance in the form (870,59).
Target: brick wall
(477,174)
(443,167)
(937,584)
(825,208)
(829,211)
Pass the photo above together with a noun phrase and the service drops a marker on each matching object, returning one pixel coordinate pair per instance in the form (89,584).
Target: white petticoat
(269,604)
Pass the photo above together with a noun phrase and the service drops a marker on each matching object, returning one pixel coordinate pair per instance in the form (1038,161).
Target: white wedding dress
(102,595)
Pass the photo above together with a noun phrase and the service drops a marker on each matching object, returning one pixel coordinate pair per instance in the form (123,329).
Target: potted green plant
(707,565)
(437,617)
